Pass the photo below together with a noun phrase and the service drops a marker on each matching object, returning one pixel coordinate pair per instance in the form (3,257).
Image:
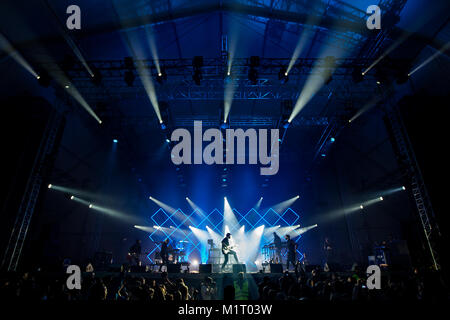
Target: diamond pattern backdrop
(175,227)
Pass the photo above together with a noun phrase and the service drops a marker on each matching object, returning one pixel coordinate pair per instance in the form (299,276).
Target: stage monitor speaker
(276,268)
(137,269)
(173,268)
(205,268)
(102,260)
(239,268)
(115,268)
(335,267)
(311,267)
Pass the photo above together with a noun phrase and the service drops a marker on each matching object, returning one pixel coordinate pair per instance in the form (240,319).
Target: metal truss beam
(235,121)
(180,86)
(417,185)
(26,209)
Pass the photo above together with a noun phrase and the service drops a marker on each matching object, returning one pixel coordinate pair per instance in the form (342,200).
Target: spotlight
(297,196)
(254,61)
(50,186)
(253,76)
(286,124)
(128,62)
(167,140)
(381,198)
(96,77)
(361,207)
(115,140)
(161,76)
(72,197)
(283,75)
(261,198)
(381,74)
(197,64)
(43,79)
(224,125)
(403,188)
(197,77)
(187,198)
(67,86)
(332,139)
(357,75)
(195,263)
(90,205)
(129,78)
(151,198)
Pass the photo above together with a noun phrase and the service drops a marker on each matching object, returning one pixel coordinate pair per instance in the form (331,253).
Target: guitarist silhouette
(227,249)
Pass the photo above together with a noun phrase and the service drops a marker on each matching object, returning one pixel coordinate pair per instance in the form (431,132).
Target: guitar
(227,249)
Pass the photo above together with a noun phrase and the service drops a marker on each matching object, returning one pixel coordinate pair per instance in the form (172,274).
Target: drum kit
(176,255)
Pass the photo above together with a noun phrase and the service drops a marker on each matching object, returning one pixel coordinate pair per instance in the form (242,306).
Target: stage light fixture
(283,75)
(161,76)
(96,77)
(129,78)
(332,139)
(72,197)
(381,198)
(128,62)
(253,76)
(197,64)
(50,186)
(90,206)
(357,75)
(115,140)
(361,207)
(403,188)
(43,79)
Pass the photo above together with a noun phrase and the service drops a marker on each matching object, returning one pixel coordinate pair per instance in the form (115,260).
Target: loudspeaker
(335,267)
(239,268)
(205,268)
(137,268)
(311,267)
(115,268)
(276,268)
(102,260)
(173,268)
